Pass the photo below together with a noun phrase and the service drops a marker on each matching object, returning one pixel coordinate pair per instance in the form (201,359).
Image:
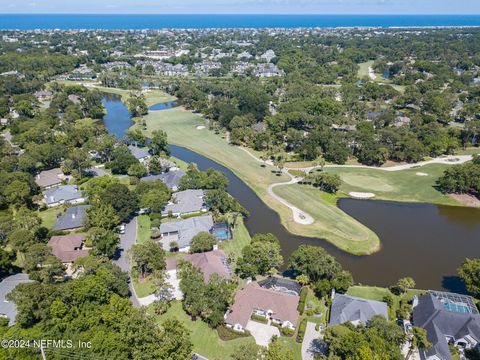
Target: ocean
(147,21)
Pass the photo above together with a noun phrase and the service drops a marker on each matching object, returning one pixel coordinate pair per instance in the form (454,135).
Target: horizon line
(242,14)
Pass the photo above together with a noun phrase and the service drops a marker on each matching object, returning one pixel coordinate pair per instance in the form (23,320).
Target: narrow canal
(424,241)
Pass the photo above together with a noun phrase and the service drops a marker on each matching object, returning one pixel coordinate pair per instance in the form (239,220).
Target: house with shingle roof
(356,310)
(448,318)
(73,218)
(185,203)
(49,178)
(277,307)
(63,194)
(182,231)
(68,248)
(170,178)
(141,154)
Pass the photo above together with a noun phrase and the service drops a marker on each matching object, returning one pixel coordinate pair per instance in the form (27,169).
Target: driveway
(311,342)
(126,242)
(262,333)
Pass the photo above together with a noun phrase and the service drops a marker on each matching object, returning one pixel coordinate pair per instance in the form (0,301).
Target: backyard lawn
(205,340)
(379,293)
(241,238)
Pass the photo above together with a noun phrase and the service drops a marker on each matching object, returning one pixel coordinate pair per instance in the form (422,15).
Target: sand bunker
(200,127)
(421,174)
(361,195)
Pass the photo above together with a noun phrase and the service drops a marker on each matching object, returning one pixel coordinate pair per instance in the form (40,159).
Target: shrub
(285,331)
(259,318)
(155,234)
(301,330)
(226,333)
(303,299)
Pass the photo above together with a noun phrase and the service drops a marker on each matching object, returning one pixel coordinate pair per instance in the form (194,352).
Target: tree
(247,351)
(135,136)
(419,341)
(403,285)
(469,272)
(6,263)
(202,242)
(325,181)
(123,201)
(159,143)
(102,215)
(137,170)
(17,193)
(147,257)
(222,202)
(105,242)
(278,351)
(21,239)
(77,162)
(258,258)
(122,160)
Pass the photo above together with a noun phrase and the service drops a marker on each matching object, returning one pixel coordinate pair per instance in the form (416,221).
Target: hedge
(301,330)
(303,299)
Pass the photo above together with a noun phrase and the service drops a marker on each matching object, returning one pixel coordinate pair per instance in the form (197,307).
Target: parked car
(121,230)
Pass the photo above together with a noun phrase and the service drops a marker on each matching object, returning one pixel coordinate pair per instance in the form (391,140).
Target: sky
(469,7)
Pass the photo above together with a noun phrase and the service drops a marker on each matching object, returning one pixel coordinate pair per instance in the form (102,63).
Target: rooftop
(187,228)
(49,177)
(253,296)
(62,193)
(347,308)
(72,219)
(185,202)
(281,284)
(68,247)
(8,308)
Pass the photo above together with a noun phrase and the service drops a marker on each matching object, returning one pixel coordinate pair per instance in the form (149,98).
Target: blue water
(148,21)
(164,106)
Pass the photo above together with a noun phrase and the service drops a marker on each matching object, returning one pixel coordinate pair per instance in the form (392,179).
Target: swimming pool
(221,232)
(456,307)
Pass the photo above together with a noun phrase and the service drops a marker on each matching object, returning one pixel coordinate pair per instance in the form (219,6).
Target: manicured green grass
(143,288)
(205,340)
(143,228)
(402,185)
(290,343)
(379,293)
(49,216)
(469,151)
(241,238)
(331,223)
(181,127)
(363,69)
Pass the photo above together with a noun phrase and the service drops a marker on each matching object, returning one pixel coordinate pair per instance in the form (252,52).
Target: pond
(424,241)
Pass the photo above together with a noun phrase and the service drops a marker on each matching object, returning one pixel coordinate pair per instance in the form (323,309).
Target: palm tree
(418,341)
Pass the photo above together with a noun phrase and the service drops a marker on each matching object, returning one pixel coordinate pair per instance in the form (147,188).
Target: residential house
(211,262)
(68,248)
(63,194)
(43,95)
(4,122)
(74,98)
(73,218)
(278,307)
(182,231)
(449,318)
(185,203)
(269,55)
(8,308)
(50,178)
(241,67)
(400,121)
(356,310)
(268,70)
(244,55)
(170,178)
(141,154)
(281,284)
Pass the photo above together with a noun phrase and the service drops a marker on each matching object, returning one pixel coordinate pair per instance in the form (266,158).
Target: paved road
(126,242)
(311,342)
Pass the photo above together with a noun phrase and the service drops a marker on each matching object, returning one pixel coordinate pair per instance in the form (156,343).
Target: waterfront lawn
(241,238)
(331,223)
(205,340)
(403,185)
(143,228)
(49,216)
(379,293)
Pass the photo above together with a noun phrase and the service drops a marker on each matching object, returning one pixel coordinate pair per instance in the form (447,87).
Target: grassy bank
(187,129)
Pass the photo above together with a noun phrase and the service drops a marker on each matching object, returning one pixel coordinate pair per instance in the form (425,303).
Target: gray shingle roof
(171,178)
(432,314)
(188,228)
(6,286)
(139,153)
(186,202)
(62,193)
(72,219)
(349,308)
